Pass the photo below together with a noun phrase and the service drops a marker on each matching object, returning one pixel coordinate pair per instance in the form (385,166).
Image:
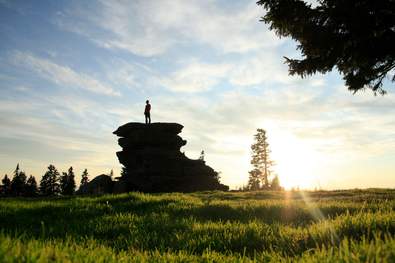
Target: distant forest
(52,183)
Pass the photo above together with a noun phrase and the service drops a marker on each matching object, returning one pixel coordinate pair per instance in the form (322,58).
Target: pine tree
(254,180)
(49,184)
(31,186)
(261,159)
(18,183)
(67,182)
(84,178)
(356,37)
(6,186)
(70,189)
(201,157)
(63,182)
(16,172)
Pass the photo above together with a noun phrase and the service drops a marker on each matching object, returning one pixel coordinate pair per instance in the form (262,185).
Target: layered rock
(153,161)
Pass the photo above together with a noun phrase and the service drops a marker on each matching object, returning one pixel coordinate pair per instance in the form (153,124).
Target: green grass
(322,226)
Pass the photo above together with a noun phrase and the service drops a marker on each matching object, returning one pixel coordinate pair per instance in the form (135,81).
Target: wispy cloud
(196,77)
(61,75)
(264,67)
(145,27)
(248,70)
(35,138)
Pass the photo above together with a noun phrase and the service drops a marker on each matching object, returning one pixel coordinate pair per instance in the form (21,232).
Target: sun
(297,162)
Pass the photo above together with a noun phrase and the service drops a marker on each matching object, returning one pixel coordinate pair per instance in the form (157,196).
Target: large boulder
(154,163)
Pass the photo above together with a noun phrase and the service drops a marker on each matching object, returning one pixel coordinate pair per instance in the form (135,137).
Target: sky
(71,72)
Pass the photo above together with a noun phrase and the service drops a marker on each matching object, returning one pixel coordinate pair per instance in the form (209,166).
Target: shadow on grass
(171,221)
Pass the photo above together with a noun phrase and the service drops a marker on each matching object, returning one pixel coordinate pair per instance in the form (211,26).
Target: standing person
(147,112)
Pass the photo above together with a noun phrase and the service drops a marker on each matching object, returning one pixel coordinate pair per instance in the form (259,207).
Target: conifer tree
(18,183)
(201,157)
(67,182)
(71,182)
(261,160)
(17,170)
(63,182)
(84,178)
(6,186)
(356,37)
(31,186)
(49,184)
(254,179)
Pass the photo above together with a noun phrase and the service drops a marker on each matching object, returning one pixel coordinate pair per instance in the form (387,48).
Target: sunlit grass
(210,226)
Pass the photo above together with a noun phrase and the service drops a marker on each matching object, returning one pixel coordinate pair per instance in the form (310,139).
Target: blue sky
(71,72)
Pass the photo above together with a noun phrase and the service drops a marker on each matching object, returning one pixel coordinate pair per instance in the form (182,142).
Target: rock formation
(153,161)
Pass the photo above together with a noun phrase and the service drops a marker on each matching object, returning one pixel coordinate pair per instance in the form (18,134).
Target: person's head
(147,101)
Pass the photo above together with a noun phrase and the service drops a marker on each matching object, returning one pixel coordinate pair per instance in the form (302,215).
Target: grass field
(323,226)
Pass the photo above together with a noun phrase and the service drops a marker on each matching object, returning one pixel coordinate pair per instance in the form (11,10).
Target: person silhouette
(147,112)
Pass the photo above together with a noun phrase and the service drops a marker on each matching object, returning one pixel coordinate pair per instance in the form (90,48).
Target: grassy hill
(323,226)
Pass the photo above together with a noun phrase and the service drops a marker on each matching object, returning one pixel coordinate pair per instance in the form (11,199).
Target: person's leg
(149,118)
(146,118)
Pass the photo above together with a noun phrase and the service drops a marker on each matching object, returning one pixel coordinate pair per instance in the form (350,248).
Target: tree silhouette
(67,182)
(254,179)
(260,160)
(49,184)
(275,185)
(354,36)
(18,183)
(6,185)
(201,157)
(84,178)
(31,186)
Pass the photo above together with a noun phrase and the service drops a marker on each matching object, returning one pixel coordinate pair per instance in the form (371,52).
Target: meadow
(319,226)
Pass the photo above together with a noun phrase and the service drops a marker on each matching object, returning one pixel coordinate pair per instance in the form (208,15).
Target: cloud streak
(145,28)
(196,77)
(61,75)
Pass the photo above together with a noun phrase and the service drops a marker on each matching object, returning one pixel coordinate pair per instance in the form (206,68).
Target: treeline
(52,183)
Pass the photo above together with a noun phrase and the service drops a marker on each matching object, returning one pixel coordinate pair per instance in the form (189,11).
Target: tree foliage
(6,187)
(260,161)
(355,36)
(84,178)
(67,182)
(18,183)
(275,184)
(254,179)
(31,187)
(49,184)
(201,157)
